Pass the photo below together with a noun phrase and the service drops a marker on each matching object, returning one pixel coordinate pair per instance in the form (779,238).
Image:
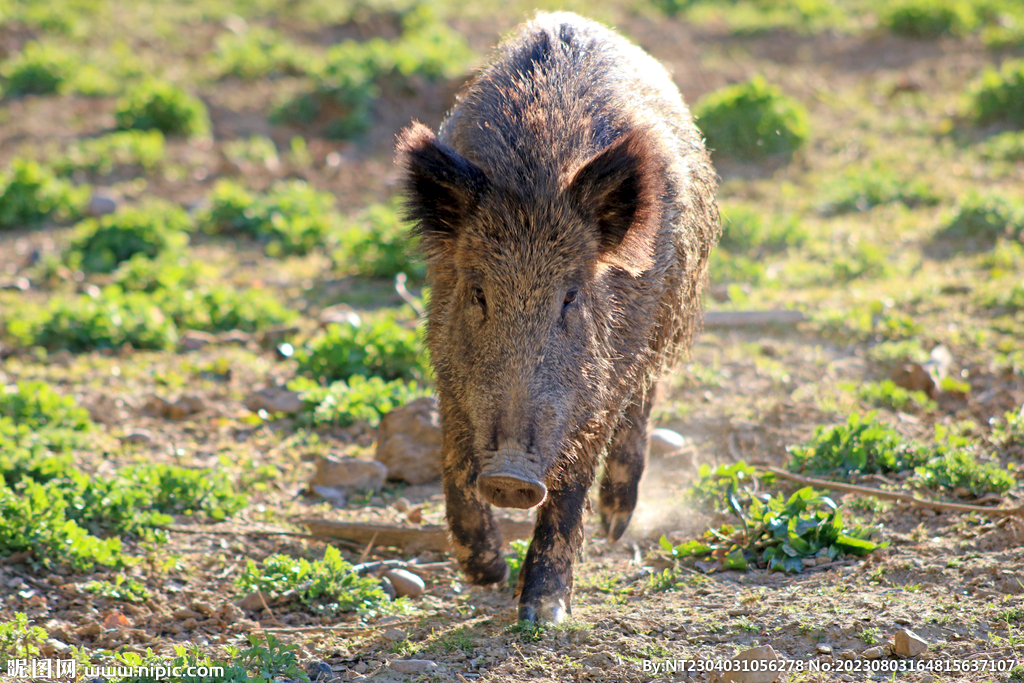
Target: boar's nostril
(509,491)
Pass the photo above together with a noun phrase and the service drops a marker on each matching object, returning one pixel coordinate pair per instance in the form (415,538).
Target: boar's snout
(512,478)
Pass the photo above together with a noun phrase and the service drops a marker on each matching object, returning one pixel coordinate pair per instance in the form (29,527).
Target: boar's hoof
(550,611)
(614,524)
(509,491)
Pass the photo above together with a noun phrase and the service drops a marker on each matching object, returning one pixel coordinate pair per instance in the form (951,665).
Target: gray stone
(101,204)
(138,436)
(875,652)
(908,644)
(319,671)
(193,340)
(274,400)
(755,674)
(406,583)
(666,441)
(413,666)
(395,635)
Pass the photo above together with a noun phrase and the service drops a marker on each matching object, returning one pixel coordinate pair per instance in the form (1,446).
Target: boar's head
(539,306)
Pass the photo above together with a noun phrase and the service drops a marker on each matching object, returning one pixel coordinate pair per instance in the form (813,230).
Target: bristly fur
(566,211)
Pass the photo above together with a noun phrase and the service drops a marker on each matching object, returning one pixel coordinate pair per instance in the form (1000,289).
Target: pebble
(394,634)
(409,442)
(138,436)
(349,473)
(319,671)
(908,644)
(101,205)
(873,652)
(274,400)
(388,587)
(762,673)
(413,666)
(406,583)
(665,441)
(193,340)
(824,649)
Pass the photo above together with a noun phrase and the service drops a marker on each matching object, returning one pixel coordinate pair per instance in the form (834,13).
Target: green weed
(887,394)
(102,244)
(515,561)
(36,406)
(1008,146)
(861,445)
(930,18)
(377,244)
(31,193)
(750,231)
(40,69)
(258,52)
(1009,429)
(714,487)
(752,120)
(158,105)
(381,346)
(125,589)
(84,323)
(292,217)
(998,96)
(18,640)
(327,586)
(143,149)
(862,189)
(987,217)
(346,402)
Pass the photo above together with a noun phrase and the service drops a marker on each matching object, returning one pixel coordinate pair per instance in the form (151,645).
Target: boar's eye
(478,297)
(570,296)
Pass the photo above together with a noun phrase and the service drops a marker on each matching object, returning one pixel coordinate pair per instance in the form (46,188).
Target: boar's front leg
(623,467)
(475,536)
(545,582)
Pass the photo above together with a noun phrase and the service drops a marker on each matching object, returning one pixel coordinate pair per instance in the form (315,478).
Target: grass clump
(40,69)
(930,18)
(102,244)
(998,95)
(37,406)
(353,74)
(18,640)
(750,231)
(887,394)
(112,320)
(264,661)
(864,189)
(346,402)
(123,588)
(1009,429)
(256,53)
(862,445)
(752,120)
(327,586)
(987,217)
(381,346)
(138,148)
(158,105)
(292,217)
(1008,146)
(377,244)
(31,193)
(515,561)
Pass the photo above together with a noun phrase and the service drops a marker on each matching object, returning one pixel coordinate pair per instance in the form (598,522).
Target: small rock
(409,442)
(759,673)
(914,377)
(187,405)
(848,654)
(204,608)
(183,613)
(908,644)
(406,583)
(340,314)
(350,473)
(254,601)
(395,635)
(101,204)
(413,666)
(337,497)
(319,671)
(824,649)
(230,612)
(927,678)
(875,652)
(275,335)
(193,340)
(155,406)
(665,441)
(138,436)
(274,400)
(403,505)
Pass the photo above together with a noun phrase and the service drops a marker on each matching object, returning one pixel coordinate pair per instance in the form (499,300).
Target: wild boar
(566,212)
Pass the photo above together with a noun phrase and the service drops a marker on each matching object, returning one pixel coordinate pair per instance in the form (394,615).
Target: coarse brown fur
(566,212)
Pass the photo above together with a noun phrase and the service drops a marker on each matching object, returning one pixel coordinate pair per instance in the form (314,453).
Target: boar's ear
(441,186)
(619,189)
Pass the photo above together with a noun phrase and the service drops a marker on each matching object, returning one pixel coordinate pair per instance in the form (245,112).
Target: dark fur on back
(566,211)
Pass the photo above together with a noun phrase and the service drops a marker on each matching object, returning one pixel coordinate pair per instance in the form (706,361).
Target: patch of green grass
(292,217)
(713,486)
(986,217)
(887,394)
(258,52)
(122,588)
(101,155)
(158,105)
(1009,300)
(377,244)
(1009,429)
(346,402)
(861,189)
(998,95)
(380,346)
(756,16)
(930,18)
(256,151)
(954,463)
(18,640)
(876,322)
(84,323)
(1008,146)
(752,120)
(39,69)
(353,73)
(37,406)
(102,244)
(515,561)
(327,586)
(748,230)
(861,445)
(31,193)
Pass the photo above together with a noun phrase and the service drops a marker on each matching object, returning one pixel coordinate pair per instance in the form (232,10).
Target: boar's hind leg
(545,582)
(475,536)
(623,467)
